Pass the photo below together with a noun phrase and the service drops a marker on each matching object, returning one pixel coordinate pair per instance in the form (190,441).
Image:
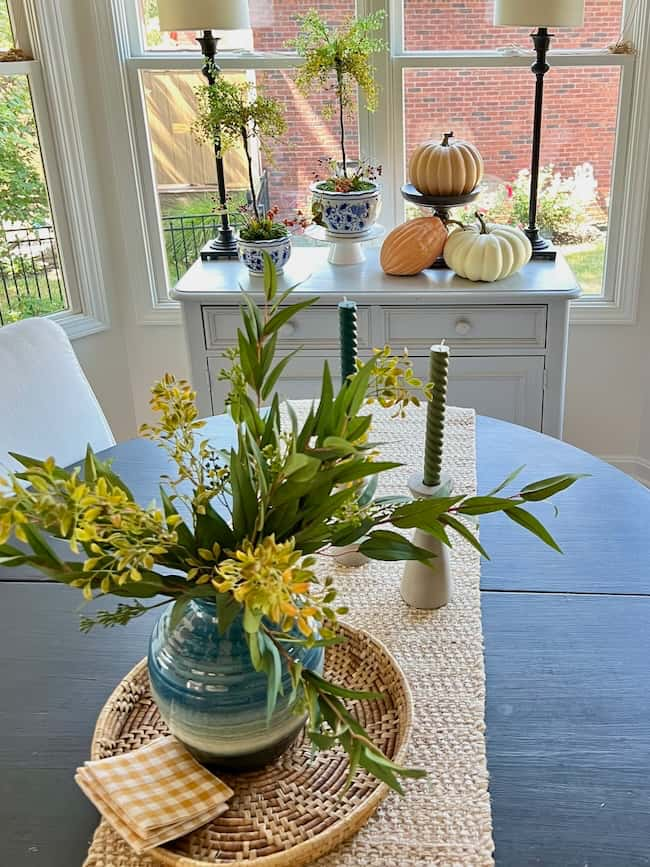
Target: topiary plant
(344,52)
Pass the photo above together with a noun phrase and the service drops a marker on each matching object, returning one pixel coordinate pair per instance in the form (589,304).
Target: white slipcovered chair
(47,407)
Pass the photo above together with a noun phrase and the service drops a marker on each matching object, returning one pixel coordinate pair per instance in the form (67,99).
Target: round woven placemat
(294,810)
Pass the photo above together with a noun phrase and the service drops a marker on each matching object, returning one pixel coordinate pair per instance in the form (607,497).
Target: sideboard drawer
(467,326)
(316,328)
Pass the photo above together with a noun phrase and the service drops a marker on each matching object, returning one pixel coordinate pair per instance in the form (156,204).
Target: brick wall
(443,25)
(494,109)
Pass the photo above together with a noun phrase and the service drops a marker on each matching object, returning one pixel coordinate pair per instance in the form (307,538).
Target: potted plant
(232,545)
(241,113)
(347,201)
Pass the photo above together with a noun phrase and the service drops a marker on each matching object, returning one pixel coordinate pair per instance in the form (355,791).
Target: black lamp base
(542,249)
(220,248)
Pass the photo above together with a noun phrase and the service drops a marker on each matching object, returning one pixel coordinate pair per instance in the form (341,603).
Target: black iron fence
(31,279)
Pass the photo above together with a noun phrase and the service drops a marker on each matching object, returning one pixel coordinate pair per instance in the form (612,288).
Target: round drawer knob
(463,327)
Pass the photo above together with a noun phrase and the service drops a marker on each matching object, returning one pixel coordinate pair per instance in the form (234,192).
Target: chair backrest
(47,407)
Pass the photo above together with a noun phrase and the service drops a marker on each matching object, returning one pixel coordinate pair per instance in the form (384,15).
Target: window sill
(78,325)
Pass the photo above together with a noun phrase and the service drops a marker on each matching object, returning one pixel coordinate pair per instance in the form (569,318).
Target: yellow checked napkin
(154,794)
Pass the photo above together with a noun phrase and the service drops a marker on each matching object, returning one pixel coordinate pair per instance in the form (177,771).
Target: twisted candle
(438,370)
(348,337)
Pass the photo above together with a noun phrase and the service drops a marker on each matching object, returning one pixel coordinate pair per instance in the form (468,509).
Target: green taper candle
(348,337)
(438,370)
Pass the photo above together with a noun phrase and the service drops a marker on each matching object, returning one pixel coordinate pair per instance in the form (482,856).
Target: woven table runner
(444,819)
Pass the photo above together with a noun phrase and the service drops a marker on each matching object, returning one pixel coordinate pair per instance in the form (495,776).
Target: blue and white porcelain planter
(347,215)
(211,697)
(251,254)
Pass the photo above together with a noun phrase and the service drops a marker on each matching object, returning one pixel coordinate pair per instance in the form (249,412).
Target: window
(448,68)
(179,174)
(31,278)
(47,267)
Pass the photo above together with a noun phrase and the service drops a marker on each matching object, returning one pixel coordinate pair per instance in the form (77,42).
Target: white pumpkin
(487,252)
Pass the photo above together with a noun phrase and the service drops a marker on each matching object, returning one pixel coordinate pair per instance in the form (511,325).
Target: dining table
(567,655)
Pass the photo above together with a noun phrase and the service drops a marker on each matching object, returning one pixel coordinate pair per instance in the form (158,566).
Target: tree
(23,194)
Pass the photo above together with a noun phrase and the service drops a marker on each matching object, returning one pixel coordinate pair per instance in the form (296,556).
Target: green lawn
(588,266)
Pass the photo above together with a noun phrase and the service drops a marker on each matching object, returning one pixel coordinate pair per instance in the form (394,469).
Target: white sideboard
(508,340)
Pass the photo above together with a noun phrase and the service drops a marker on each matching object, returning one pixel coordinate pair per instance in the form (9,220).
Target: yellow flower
(273,580)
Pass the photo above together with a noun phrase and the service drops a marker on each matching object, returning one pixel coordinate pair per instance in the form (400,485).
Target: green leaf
(41,548)
(389,546)
(285,314)
(504,484)
(274,674)
(32,463)
(341,691)
(485,505)
(256,317)
(465,532)
(339,446)
(244,496)
(227,610)
(270,278)
(530,522)
(420,513)
(299,464)
(103,470)
(361,468)
(368,492)
(179,608)
(276,373)
(251,621)
(546,488)
(320,740)
(211,528)
(185,536)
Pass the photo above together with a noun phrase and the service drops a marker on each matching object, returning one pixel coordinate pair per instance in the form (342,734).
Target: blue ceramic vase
(211,697)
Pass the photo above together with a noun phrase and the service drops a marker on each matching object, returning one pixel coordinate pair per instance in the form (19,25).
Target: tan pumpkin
(446,168)
(413,246)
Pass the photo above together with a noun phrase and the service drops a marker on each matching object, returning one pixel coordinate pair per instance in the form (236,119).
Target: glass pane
(31,279)
(185,171)
(466,25)
(272,24)
(493,109)
(6,36)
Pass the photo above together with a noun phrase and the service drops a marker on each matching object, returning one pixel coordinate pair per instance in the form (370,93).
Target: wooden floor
(567,648)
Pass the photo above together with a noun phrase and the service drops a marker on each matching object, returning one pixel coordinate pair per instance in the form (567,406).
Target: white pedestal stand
(345,250)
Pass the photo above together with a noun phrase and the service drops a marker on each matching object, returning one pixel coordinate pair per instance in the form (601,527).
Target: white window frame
(38,31)
(381,139)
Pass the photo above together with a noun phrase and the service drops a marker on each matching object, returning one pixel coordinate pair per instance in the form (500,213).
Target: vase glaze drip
(433,446)
(211,697)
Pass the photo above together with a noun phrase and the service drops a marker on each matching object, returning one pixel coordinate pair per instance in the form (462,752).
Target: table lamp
(209,15)
(541,14)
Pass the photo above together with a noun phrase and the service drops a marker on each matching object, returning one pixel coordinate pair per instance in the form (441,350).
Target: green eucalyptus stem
(439,367)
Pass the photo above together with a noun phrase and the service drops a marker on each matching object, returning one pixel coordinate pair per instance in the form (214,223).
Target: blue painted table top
(567,646)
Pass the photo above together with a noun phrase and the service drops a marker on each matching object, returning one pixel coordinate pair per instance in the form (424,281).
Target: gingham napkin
(155,794)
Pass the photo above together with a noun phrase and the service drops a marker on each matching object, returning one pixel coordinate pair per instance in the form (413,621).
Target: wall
(608,397)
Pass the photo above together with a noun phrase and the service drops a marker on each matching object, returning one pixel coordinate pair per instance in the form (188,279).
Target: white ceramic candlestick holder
(423,585)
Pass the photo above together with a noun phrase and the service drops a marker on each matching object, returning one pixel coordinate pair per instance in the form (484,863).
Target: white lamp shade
(539,13)
(203,14)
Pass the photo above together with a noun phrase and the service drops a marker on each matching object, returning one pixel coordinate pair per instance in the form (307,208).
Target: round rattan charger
(294,810)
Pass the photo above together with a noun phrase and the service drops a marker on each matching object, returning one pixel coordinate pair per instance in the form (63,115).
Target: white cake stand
(345,250)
